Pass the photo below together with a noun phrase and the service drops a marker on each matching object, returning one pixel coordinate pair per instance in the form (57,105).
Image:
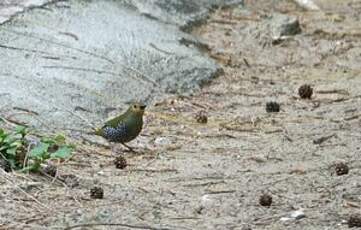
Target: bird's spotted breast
(117,134)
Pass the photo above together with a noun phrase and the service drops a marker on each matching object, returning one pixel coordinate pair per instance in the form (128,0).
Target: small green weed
(21,154)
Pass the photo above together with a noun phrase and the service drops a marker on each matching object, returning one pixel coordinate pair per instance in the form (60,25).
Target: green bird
(125,127)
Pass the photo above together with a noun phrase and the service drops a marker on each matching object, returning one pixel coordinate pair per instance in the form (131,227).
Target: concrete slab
(72,62)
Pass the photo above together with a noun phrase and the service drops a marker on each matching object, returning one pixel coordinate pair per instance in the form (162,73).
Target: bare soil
(190,175)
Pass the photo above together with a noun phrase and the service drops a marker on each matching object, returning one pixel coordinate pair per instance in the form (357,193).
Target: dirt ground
(189,175)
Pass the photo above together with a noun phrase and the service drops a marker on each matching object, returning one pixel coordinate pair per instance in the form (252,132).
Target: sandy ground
(189,175)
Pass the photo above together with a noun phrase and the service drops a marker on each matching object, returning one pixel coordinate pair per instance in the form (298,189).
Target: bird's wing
(114,122)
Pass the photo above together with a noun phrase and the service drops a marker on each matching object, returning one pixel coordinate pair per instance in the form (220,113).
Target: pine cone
(201,117)
(120,162)
(265,200)
(4,164)
(96,193)
(50,170)
(354,220)
(305,91)
(341,169)
(272,107)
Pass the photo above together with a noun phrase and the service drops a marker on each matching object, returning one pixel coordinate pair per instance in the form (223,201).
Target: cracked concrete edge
(145,7)
(9,11)
(197,13)
(185,21)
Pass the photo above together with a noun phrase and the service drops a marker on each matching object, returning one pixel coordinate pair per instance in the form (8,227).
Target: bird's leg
(113,149)
(128,147)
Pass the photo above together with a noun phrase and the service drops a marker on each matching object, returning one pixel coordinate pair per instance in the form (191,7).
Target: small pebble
(298,214)
(295,215)
(162,141)
(207,201)
(101,173)
(284,219)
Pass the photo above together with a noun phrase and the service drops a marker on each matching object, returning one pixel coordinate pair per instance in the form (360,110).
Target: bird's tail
(97,131)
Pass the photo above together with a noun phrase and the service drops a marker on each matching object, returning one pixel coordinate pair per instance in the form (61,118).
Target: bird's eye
(134,106)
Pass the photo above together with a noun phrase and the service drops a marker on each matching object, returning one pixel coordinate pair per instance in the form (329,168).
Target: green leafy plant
(12,145)
(14,148)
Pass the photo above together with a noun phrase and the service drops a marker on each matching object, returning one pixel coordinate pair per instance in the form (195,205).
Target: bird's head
(137,108)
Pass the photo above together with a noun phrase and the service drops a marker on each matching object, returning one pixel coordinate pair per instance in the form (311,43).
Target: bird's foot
(115,151)
(129,149)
